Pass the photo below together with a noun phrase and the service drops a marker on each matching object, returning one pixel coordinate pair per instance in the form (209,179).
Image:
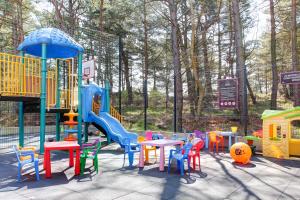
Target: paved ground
(264,178)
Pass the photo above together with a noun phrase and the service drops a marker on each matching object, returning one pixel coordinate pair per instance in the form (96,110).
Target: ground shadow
(241,183)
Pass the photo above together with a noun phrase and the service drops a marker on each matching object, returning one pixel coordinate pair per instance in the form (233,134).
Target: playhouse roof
(59,44)
(274,113)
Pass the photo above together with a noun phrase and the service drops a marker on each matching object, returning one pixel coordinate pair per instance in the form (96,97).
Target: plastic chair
(148,135)
(89,144)
(30,148)
(215,140)
(200,134)
(195,153)
(130,148)
(147,149)
(28,159)
(157,136)
(90,152)
(180,155)
(174,136)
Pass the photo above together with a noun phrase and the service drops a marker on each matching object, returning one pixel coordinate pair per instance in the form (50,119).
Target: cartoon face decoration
(240,152)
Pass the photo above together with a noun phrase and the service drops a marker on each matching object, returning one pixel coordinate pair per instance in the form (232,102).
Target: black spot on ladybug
(238,151)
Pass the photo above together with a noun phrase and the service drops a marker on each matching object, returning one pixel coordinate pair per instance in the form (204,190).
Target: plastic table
(63,145)
(228,134)
(161,144)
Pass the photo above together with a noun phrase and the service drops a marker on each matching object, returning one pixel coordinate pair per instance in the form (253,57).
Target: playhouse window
(274,132)
(295,129)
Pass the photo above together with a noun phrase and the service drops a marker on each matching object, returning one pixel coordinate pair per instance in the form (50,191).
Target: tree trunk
(17,25)
(208,97)
(286,92)
(295,64)
(167,74)
(259,82)
(251,93)
(126,74)
(231,39)
(100,79)
(240,62)
(178,101)
(167,92)
(273,59)
(71,18)
(185,59)
(146,65)
(266,82)
(198,87)
(154,78)
(219,51)
(101,18)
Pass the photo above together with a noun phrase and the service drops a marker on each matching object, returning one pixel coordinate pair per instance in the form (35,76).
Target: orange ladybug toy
(240,152)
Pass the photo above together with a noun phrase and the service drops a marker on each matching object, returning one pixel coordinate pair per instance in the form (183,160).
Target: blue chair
(180,155)
(157,136)
(130,147)
(26,157)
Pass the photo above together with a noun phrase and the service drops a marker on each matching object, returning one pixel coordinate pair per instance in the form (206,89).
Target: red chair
(195,152)
(215,139)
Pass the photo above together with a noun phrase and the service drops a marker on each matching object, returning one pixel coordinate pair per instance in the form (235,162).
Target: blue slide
(104,121)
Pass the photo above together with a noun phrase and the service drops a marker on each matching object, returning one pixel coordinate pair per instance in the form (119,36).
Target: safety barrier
(21,77)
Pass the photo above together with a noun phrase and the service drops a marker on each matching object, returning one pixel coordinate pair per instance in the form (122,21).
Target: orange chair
(215,139)
(147,149)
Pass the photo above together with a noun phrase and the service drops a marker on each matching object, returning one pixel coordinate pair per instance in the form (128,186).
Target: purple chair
(90,144)
(200,134)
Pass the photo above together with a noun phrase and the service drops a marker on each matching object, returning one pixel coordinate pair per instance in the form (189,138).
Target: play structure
(107,124)
(52,80)
(281,133)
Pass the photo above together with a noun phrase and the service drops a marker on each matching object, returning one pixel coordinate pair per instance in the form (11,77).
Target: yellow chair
(147,149)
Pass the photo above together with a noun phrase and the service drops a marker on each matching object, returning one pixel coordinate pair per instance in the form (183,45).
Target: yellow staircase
(113,111)
(116,114)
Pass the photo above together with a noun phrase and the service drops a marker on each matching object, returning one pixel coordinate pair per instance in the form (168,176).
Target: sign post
(290,77)
(228,93)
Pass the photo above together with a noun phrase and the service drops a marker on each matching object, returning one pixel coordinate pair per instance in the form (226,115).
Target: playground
(90,108)
(265,178)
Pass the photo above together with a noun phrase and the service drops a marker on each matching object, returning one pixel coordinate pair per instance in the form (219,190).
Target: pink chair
(148,135)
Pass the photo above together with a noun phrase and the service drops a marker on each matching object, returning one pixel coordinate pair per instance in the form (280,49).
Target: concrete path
(219,178)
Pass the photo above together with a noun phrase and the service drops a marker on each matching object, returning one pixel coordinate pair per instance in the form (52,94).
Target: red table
(64,145)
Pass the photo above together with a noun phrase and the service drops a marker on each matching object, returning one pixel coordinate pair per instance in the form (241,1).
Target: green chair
(90,152)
